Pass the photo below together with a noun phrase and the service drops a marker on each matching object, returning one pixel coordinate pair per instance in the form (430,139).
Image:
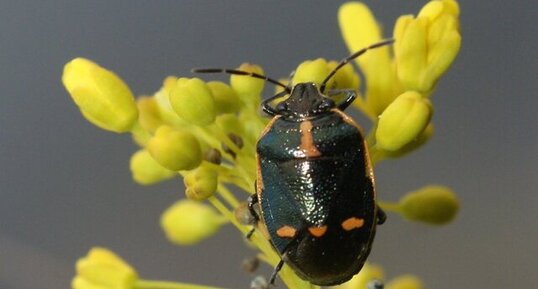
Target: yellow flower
(146,170)
(403,121)
(193,101)
(102,97)
(360,29)
(312,71)
(201,183)
(149,114)
(435,205)
(175,149)
(346,77)
(226,100)
(427,45)
(188,222)
(102,269)
(248,88)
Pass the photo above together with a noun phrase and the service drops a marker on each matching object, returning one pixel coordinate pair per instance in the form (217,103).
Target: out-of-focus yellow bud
(422,139)
(427,45)
(247,87)
(175,150)
(229,123)
(226,100)
(359,30)
(312,71)
(102,97)
(367,274)
(405,282)
(149,113)
(345,78)
(188,222)
(146,170)
(403,121)
(435,205)
(102,269)
(193,101)
(201,183)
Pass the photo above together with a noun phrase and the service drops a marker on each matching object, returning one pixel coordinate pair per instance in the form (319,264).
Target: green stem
(228,196)
(150,284)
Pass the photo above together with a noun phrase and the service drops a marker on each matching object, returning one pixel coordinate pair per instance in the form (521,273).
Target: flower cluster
(206,132)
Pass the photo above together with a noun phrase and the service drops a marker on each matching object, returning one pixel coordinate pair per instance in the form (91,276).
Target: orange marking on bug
(317,231)
(259,179)
(352,223)
(286,232)
(307,140)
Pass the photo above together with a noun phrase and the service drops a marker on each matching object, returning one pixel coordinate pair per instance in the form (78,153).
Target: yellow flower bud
(312,71)
(201,183)
(229,123)
(248,88)
(435,205)
(367,274)
(405,282)
(102,97)
(102,269)
(422,139)
(149,113)
(359,30)
(175,150)
(226,100)
(146,170)
(188,222)
(193,101)
(427,45)
(403,121)
(345,78)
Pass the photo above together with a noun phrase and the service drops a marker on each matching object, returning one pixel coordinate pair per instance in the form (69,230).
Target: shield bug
(315,190)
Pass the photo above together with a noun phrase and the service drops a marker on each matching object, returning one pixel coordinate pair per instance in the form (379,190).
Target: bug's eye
(283,106)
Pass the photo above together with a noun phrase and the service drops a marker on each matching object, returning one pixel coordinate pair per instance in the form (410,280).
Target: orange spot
(317,231)
(286,232)
(307,140)
(352,223)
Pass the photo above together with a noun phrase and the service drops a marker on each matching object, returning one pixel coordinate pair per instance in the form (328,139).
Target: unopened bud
(102,97)
(201,183)
(188,222)
(193,101)
(226,100)
(175,149)
(435,205)
(403,121)
(146,170)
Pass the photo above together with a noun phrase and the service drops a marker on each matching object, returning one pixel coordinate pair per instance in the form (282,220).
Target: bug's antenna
(351,57)
(241,72)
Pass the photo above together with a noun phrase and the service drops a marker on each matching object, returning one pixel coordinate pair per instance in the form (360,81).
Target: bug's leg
(266,104)
(277,269)
(381,215)
(252,202)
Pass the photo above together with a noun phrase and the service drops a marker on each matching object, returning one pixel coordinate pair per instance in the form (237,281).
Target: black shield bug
(315,186)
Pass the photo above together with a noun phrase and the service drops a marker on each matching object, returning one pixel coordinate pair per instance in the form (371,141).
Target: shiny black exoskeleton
(315,190)
(315,186)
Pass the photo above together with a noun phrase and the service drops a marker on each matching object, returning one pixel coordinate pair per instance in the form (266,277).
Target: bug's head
(305,101)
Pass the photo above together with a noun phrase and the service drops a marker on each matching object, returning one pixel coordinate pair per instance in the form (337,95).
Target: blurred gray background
(65,185)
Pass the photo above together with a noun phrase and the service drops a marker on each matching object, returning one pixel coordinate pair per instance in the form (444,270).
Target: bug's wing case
(322,191)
